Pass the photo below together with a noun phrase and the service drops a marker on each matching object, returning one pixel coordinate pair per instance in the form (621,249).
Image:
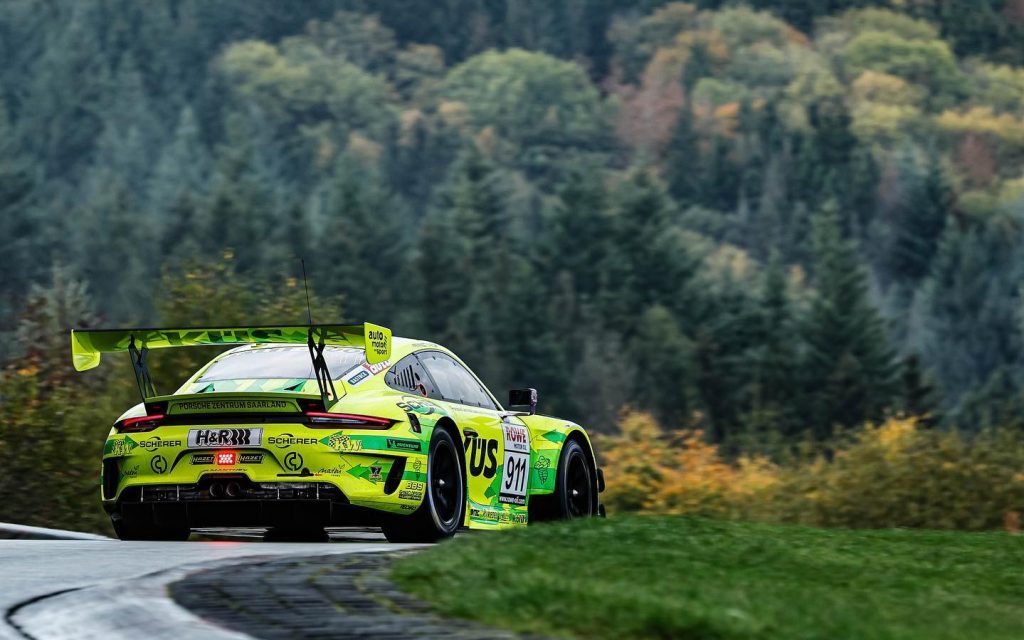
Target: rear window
(281,362)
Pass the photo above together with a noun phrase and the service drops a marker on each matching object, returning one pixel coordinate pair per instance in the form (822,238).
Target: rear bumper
(253,504)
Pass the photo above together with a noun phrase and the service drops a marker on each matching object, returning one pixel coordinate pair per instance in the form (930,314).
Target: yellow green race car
(304,427)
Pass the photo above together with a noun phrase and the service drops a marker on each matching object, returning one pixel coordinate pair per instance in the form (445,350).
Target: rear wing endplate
(87,346)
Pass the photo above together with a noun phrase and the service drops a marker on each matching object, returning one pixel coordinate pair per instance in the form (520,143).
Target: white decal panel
(214,438)
(516,470)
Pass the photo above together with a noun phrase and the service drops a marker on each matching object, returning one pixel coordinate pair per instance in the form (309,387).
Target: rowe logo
(202,438)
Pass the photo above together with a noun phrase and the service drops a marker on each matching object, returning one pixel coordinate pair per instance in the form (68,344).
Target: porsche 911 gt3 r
(302,427)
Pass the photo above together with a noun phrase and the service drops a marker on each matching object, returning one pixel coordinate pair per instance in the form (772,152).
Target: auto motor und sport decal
(516,468)
(203,438)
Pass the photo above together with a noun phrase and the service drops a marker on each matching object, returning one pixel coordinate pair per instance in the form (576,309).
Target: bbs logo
(482,456)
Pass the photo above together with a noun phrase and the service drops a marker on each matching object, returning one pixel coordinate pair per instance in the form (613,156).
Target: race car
(298,428)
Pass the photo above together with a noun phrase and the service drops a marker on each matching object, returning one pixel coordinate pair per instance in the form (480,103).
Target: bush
(892,475)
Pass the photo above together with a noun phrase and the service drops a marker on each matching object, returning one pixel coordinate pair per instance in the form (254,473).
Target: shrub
(892,475)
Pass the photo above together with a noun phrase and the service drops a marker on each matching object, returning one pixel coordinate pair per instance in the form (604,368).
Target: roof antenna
(309,310)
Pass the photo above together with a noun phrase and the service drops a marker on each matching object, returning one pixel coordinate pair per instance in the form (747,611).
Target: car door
(497,449)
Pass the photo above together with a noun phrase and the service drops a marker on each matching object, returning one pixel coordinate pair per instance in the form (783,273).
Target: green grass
(662,577)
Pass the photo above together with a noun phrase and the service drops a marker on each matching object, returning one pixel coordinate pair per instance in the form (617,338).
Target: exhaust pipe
(216,490)
(233,490)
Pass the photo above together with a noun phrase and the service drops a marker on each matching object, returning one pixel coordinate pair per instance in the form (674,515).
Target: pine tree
(773,394)
(683,166)
(919,218)
(665,367)
(848,364)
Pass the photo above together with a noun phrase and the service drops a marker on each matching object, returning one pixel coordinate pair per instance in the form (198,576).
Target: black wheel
(443,505)
(574,485)
(146,529)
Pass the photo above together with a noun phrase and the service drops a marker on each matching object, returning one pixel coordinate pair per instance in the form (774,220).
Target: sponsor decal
(333,471)
(412,404)
(286,440)
(154,443)
(482,456)
(194,406)
(516,468)
(410,495)
(414,486)
(407,507)
(343,442)
(377,341)
(403,445)
(517,437)
(371,473)
(120,447)
(250,458)
(293,461)
(417,465)
(130,472)
(202,458)
(225,437)
(359,377)
(543,468)
(363,372)
(158,464)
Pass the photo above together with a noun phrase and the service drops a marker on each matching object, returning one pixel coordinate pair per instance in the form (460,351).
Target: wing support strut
(142,377)
(323,376)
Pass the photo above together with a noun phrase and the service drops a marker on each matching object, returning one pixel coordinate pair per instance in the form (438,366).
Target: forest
(770,221)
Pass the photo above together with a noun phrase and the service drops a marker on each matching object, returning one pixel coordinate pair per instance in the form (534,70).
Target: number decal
(517,464)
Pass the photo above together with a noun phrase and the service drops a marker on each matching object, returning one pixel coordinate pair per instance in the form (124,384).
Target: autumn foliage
(897,474)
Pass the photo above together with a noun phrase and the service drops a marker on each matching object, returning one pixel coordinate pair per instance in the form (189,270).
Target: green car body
(251,439)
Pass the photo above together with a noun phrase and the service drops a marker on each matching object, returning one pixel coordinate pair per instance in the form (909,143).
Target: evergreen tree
(773,396)
(848,366)
(683,166)
(918,219)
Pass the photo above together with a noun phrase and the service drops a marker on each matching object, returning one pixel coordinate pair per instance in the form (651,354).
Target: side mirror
(523,400)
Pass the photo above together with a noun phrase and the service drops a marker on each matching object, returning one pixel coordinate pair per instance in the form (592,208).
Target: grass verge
(665,577)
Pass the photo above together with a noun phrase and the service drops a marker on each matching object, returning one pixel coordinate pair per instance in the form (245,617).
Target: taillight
(140,424)
(324,419)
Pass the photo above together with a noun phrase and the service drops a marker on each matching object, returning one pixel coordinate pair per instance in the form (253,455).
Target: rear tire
(444,505)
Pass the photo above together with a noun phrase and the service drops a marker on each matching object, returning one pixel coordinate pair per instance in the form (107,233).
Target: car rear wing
(87,346)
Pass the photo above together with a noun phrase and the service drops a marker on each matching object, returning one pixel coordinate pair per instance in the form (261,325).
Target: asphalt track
(108,589)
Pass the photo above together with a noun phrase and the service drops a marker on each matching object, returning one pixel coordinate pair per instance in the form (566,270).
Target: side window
(454,383)
(408,375)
